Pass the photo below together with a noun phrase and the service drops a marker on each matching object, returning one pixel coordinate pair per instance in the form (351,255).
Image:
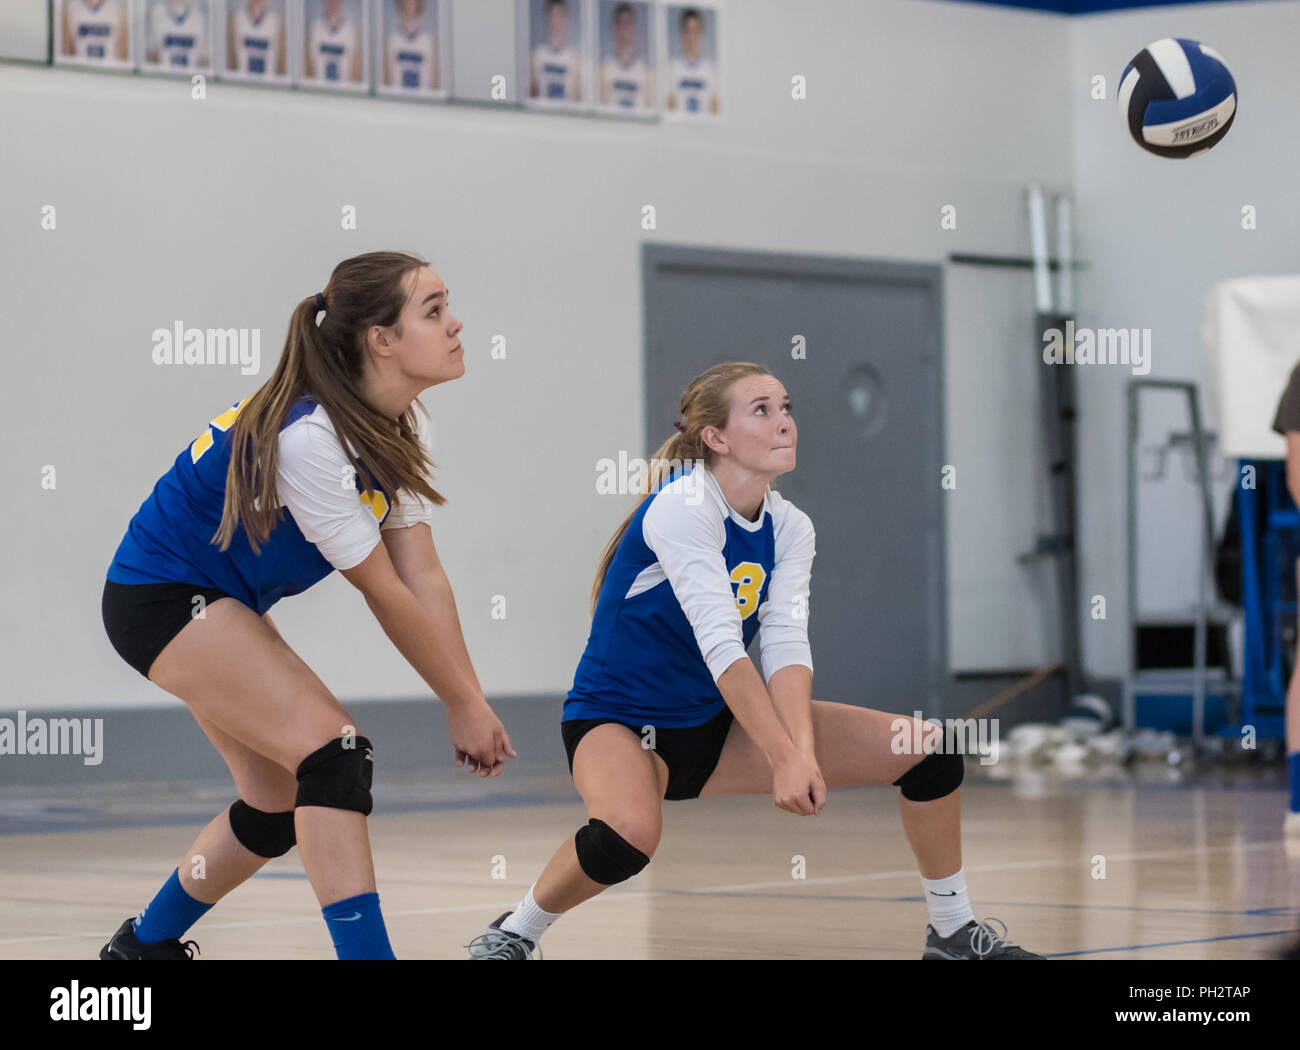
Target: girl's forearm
(425,644)
(433,590)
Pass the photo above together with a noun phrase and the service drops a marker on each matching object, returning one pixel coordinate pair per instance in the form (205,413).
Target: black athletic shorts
(690,754)
(141,618)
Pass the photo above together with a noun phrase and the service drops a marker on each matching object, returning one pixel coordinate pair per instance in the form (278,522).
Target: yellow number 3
(223,422)
(748,577)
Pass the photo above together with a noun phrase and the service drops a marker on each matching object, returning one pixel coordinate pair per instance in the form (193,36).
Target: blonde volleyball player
(624,75)
(333,46)
(255,40)
(411,55)
(692,79)
(212,549)
(555,61)
(711,557)
(178,35)
(95,30)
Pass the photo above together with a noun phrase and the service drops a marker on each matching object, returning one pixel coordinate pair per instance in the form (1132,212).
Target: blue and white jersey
(178,32)
(331,524)
(411,60)
(692,80)
(556,72)
(257,43)
(96,28)
(333,49)
(625,84)
(691,582)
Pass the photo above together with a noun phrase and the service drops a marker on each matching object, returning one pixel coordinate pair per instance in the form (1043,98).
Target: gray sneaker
(502,944)
(975,940)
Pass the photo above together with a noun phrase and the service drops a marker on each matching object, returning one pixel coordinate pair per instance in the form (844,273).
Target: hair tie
(320,302)
(680,427)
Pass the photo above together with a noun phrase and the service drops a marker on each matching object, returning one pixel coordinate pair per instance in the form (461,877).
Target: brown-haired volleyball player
(336,436)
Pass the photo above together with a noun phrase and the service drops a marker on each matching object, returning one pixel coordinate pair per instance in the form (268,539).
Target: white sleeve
(317,484)
(412,509)
(688,540)
(783,616)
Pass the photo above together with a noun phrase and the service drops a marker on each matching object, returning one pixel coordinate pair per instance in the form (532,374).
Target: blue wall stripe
(1089,7)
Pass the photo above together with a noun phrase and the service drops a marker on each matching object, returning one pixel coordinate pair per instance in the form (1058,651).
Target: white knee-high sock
(528,920)
(949,906)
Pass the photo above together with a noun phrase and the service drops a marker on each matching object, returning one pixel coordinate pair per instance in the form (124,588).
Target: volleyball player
(255,40)
(411,56)
(333,50)
(692,79)
(178,35)
(1287,423)
(624,75)
(667,705)
(336,437)
(95,30)
(555,62)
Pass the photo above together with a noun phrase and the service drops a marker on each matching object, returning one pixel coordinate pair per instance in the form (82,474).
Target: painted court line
(1020,865)
(1173,944)
(1280,911)
(629,894)
(258,923)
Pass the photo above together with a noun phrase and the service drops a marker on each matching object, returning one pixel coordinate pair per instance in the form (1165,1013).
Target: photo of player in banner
(694,82)
(177,36)
(257,40)
(412,39)
(93,33)
(554,31)
(334,44)
(626,76)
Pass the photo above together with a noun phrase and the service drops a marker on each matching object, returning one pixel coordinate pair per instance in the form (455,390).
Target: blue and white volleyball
(1178,98)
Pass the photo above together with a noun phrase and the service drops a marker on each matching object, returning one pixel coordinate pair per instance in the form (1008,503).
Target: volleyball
(1178,98)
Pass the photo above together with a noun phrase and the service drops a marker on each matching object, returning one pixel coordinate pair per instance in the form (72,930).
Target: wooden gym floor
(1195,867)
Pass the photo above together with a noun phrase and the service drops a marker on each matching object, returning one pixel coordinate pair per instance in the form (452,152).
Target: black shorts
(141,618)
(691,754)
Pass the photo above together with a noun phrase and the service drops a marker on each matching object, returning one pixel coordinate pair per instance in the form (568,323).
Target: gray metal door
(868,401)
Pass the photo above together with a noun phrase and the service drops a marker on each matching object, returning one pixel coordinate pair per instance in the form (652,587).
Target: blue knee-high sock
(1293,770)
(170,913)
(357,928)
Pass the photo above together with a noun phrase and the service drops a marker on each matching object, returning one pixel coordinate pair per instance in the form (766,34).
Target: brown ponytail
(326,362)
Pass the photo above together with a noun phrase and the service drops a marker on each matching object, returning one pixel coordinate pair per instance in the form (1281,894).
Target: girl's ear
(380,338)
(713,439)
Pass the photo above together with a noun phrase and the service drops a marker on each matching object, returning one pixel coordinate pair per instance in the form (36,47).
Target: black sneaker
(502,944)
(975,940)
(124,945)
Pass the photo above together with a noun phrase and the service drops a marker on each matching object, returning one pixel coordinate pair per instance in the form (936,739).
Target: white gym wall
(223,213)
(1159,233)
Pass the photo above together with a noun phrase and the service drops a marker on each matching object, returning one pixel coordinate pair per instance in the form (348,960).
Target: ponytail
(706,403)
(326,361)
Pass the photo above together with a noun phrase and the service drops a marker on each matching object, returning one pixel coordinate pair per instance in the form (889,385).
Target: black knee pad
(605,855)
(933,777)
(338,777)
(265,834)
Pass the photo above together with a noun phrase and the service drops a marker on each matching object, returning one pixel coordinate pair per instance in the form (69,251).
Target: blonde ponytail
(706,403)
